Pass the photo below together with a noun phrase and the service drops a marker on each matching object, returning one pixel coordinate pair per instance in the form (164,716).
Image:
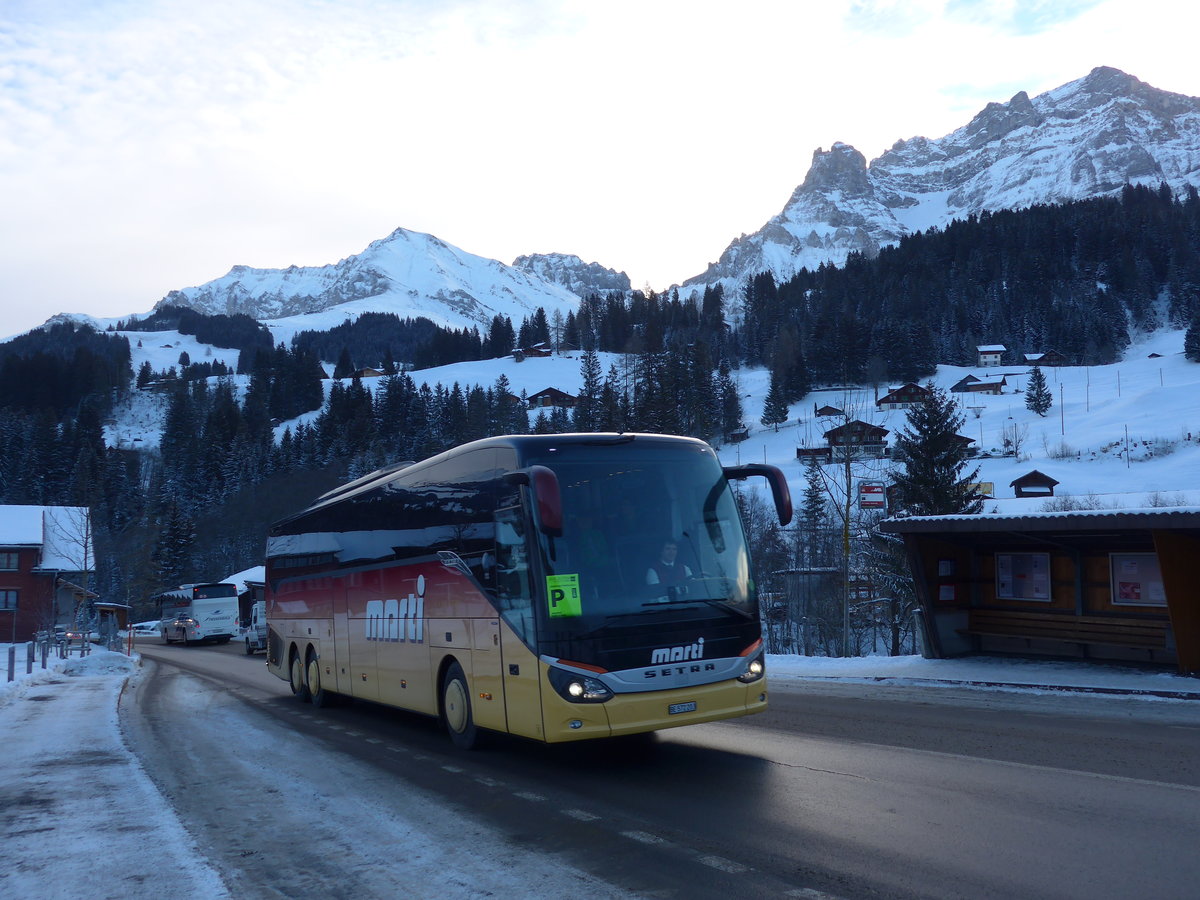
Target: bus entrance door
(487,683)
(522,694)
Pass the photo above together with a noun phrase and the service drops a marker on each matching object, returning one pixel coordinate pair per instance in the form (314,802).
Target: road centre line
(581,815)
(725,865)
(644,838)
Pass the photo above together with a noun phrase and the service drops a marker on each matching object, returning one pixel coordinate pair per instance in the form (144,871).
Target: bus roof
(523,444)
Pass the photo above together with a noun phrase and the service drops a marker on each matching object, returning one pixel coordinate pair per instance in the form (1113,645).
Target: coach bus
(516,584)
(195,613)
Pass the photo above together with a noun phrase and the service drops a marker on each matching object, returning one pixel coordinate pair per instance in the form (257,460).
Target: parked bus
(518,584)
(198,612)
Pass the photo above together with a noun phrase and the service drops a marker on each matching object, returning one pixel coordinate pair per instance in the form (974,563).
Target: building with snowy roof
(47,558)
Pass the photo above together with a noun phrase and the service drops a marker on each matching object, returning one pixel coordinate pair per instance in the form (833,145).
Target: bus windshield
(647,527)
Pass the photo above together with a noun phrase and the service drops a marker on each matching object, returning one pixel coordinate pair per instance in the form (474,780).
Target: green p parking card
(562,592)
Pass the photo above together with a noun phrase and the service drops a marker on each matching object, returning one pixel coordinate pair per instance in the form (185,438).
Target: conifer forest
(1079,278)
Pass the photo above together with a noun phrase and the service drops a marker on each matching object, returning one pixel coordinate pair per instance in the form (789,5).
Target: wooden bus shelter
(1105,584)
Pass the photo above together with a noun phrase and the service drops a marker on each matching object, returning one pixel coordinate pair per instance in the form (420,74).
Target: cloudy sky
(148,145)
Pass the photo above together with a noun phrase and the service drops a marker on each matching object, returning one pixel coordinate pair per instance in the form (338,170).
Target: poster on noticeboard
(1136,580)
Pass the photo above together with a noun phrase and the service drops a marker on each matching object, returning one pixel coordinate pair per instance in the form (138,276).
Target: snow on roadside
(79,810)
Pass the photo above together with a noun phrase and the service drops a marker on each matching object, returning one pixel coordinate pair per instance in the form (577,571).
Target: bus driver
(669,572)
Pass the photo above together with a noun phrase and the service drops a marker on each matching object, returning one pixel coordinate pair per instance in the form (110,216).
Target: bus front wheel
(456,709)
(296,673)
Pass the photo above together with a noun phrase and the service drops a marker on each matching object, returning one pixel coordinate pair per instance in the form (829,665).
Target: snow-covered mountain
(407,273)
(573,273)
(1084,139)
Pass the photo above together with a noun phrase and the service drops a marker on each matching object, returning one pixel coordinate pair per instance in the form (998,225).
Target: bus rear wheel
(296,673)
(456,709)
(316,692)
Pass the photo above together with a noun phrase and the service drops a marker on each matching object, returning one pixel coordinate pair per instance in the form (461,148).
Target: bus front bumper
(652,710)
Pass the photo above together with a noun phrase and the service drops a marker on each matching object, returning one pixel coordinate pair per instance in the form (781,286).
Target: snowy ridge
(407,273)
(1087,138)
(573,273)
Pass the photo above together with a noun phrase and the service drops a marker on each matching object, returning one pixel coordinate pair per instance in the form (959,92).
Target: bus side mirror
(774,476)
(546,494)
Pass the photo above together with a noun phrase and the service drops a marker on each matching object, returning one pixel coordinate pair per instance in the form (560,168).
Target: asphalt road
(838,790)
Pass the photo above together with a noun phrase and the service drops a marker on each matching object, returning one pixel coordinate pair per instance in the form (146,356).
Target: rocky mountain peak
(841,168)
(999,119)
(1084,139)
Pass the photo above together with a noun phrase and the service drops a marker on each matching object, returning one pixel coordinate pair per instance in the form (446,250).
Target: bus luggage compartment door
(487,684)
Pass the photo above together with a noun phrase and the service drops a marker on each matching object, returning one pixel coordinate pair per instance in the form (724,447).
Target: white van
(256,634)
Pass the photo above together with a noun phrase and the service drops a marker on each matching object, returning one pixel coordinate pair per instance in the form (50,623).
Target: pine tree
(731,402)
(814,511)
(587,406)
(1191,340)
(775,407)
(932,457)
(612,411)
(172,551)
(344,367)
(1037,395)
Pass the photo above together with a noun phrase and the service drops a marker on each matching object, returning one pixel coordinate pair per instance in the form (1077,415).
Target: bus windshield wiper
(720,603)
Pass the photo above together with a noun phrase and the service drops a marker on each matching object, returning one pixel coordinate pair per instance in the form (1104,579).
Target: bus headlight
(579,688)
(754,671)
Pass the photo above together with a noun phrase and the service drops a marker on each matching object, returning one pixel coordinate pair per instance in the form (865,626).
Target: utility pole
(846,549)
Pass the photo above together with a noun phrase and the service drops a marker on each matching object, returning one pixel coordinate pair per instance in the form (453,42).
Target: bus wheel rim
(456,706)
(297,673)
(314,676)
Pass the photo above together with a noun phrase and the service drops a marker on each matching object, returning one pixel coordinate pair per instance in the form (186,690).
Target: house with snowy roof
(551,396)
(991,354)
(1048,358)
(904,397)
(47,558)
(975,384)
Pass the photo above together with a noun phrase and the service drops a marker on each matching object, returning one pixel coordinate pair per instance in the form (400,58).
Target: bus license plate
(676,708)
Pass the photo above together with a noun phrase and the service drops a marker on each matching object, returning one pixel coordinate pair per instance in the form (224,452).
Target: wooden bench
(1116,631)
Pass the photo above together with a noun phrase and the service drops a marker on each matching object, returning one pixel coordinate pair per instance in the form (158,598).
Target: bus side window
(512,562)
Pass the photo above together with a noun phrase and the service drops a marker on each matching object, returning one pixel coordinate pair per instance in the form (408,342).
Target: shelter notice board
(1023,576)
(1137,580)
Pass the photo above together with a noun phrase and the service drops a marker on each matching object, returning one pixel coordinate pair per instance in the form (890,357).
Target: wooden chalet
(537,351)
(822,454)
(1104,584)
(967,444)
(549,397)
(974,384)
(737,435)
(858,439)
(903,397)
(1033,484)
(1050,358)
(826,411)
